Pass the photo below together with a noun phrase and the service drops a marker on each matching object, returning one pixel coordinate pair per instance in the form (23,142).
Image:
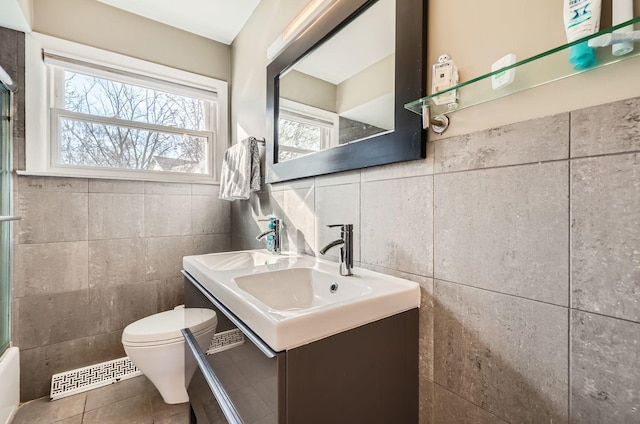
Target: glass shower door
(5,218)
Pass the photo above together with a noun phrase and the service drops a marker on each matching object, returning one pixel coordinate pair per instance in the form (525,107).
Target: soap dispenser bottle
(271,238)
(272,235)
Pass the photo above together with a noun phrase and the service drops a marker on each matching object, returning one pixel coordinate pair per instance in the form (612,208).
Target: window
(304,129)
(110,120)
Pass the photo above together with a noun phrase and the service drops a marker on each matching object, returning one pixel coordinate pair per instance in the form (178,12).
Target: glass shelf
(550,66)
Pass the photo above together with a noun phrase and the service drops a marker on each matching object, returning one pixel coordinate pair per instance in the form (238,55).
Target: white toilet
(156,346)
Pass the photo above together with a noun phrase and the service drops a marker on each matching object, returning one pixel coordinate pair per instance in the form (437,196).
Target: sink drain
(333,288)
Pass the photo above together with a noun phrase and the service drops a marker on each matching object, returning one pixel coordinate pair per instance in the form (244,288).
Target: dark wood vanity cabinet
(368,374)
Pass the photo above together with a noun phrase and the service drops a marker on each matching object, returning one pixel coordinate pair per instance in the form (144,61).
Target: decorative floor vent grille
(91,377)
(225,340)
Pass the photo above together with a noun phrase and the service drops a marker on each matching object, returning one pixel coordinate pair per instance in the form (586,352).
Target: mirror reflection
(343,91)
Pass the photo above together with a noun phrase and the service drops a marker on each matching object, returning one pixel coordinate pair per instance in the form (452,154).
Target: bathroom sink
(299,289)
(236,260)
(292,300)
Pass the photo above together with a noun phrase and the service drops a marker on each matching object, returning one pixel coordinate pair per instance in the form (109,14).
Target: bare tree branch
(86,143)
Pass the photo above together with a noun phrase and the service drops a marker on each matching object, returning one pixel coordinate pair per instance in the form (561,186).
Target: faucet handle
(268,219)
(345,227)
(273,220)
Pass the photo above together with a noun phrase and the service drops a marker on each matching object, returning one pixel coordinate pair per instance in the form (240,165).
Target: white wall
(308,90)
(95,24)
(476,34)
(249,65)
(15,14)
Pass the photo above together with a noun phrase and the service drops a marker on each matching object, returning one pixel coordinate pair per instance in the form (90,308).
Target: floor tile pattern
(132,401)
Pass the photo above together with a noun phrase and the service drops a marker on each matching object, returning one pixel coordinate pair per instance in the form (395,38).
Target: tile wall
(525,240)
(91,256)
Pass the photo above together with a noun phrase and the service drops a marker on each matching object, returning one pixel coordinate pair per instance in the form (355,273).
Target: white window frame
(299,112)
(48,57)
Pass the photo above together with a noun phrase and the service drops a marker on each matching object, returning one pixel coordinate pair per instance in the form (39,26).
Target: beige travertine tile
(505,230)
(348,177)
(426,340)
(163,412)
(397,224)
(299,220)
(112,308)
(261,205)
(247,243)
(210,215)
(605,241)
(134,410)
(337,205)
(609,128)
(209,243)
(408,169)
(167,188)
(115,215)
(15,320)
(425,402)
(452,409)
(163,256)
(52,184)
(205,190)
(40,363)
(292,185)
(183,418)
(14,178)
(44,411)
(605,378)
(49,216)
(37,365)
(537,140)
(49,268)
(107,395)
(77,419)
(170,293)
(8,43)
(505,353)
(167,215)
(116,262)
(52,318)
(104,347)
(116,186)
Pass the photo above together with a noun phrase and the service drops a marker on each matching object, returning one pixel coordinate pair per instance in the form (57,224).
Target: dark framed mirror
(336,94)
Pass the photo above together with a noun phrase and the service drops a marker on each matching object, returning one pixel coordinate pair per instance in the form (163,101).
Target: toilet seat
(164,327)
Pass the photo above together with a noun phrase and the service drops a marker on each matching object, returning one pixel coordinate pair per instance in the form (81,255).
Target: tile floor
(133,401)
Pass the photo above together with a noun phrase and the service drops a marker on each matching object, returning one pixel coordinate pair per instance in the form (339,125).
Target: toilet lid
(167,325)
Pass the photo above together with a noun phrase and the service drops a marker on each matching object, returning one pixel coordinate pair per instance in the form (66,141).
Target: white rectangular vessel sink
(300,289)
(296,300)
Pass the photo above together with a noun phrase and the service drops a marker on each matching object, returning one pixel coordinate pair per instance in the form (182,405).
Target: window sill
(187,179)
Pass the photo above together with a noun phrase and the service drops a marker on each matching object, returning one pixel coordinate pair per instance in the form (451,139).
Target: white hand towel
(240,174)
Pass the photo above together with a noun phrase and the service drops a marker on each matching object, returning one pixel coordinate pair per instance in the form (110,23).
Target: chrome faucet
(346,247)
(275,229)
